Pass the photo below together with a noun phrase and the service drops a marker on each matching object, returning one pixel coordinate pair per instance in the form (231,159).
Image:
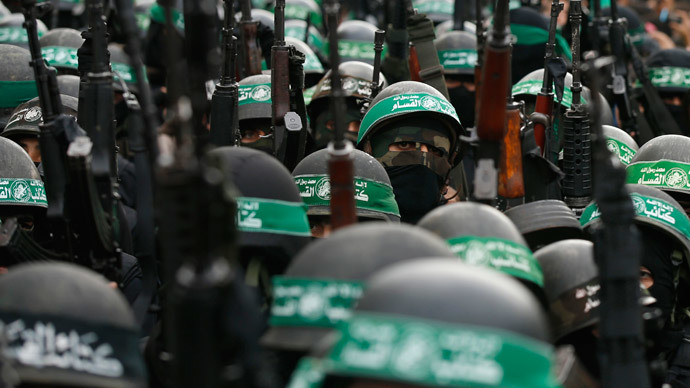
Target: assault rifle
(620,83)
(251,52)
(395,65)
(379,37)
(491,119)
(340,160)
(225,126)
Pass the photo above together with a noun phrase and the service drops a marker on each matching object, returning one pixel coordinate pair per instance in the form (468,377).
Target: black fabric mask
(121,112)
(680,114)
(657,250)
(417,190)
(463,101)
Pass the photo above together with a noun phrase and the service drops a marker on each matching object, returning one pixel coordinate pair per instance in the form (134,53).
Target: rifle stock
(251,51)
(511,183)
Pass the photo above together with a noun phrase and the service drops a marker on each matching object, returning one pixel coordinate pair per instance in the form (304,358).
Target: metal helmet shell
(435,106)
(20,181)
(120,64)
(457,51)
(447,293)
(354,254)
(59,48)
(620,143)
(480,243)
(356,77)
(68,85)
(356,41)
(545,222)
(76,304)
(568,265)
(255,97)
(13,32)
(670,150)
(669,69)
(448,25)
(260,15)
(17,78)
(296,29)
(315,166)
(62,37)
(28,116)
(256,174)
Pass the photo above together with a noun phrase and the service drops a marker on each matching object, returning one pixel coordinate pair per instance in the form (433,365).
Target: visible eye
(251,135)
(403,146)
(646,277)
(435,150)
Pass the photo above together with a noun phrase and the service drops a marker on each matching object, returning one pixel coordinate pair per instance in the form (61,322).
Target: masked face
(682,117)
(417,190)
(121,112)
(463,101)
(325,125)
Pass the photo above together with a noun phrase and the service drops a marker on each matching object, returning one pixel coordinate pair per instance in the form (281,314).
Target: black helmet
(438,322)
(457,51)
(64,325)
(313,69)
(28,116)
(545,222)
(494,242)
(270,211)
(655,209)
(296,29)
(669,70)
(12,30)
(21,188)
(120,64)
(356,77)
(356,41)
(571,284)
(330,273)
(620,143)
(69,85)
(255,97)
(300,9)
(17,79)
(374,195)
(663,162)
(59,48)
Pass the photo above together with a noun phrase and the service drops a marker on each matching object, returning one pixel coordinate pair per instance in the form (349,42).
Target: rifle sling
(430,69)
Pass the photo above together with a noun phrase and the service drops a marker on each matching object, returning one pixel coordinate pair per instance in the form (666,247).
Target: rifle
(251,52)
(481,41)
(225,126)
(379,36)
(340,159)
(577,158)
(511,184)
(459,15)
(544,105)
(617,253)
(491,119)
(425,57)
(620,83)
(395,65)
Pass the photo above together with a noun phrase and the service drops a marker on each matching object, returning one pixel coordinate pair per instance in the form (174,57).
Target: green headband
(59,56)
(312,63)
(458,59)
(297,12)
(653,208)
(423,352)
(359,50)
(502,255)
(260,215)
(126,71)
(622,150)
(405,103)
(157,14)
(313,302)
(257,93)
(678,77)
(533,88)
(14,93)
(308,94)
(434,7)
(309,373)
(664,174)
(297,32)
(22,192)
(369,195)
(530,35)
(12,35)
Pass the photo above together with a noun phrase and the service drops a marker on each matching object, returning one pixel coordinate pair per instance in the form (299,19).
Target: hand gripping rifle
(251,51)
(340,160)
(492,106)
(544,105)
(577,157)
(225,127)
(617,253)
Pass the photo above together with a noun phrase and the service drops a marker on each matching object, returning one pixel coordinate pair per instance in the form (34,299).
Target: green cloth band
(315,190)
(357,50)
(143,21)
(652,208)
(312,63)
(429,353)
(23,192)
(59,56)
(530,35)
(637,35)
(157,14)
(624,153)
(262,215)
(298,12)
(14,93)
(405,103)
(313,302)
(297,32)
(664,174)
(257,93)
(503,255)
(434,7)
(13,35)
(308,94)
(124,70)
(533,87)
(677,77)
(458,59)
(308,374)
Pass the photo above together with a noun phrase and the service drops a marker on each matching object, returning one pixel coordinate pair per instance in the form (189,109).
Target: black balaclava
(657,248)
(463,101)
(417,190)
